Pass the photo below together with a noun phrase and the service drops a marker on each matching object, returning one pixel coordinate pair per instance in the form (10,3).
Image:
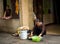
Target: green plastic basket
(36,39)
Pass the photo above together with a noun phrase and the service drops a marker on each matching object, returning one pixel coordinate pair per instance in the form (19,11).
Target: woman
(39,29)
(7,13)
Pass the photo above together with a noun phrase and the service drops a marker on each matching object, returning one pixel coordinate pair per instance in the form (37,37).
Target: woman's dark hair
(37,20)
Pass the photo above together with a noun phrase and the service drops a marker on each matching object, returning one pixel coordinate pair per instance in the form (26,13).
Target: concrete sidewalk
(6,38)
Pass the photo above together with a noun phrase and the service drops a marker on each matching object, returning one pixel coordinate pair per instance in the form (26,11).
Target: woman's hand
(31,34)
(40,35)
(8,17)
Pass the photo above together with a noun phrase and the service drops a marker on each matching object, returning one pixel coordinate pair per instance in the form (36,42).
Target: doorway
(56,12)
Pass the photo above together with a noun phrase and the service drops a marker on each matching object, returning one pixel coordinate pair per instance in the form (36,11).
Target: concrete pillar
(26,11)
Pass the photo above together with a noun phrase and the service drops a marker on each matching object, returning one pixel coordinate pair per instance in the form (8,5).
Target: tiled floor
(6,38)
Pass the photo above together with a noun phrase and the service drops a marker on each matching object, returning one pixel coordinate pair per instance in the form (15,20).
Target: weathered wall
(9,25)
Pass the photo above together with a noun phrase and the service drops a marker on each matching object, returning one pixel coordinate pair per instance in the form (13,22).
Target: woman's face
(38,23)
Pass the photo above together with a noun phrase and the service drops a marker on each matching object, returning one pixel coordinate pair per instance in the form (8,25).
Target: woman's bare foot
(15,34)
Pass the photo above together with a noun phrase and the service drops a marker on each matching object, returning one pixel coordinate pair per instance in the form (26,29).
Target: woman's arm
(43,29)
(4,14)
(31,33)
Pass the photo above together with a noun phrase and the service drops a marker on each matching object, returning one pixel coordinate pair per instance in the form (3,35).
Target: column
(26,13)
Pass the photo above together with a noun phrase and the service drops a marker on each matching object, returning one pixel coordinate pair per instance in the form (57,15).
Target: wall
(7,25)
